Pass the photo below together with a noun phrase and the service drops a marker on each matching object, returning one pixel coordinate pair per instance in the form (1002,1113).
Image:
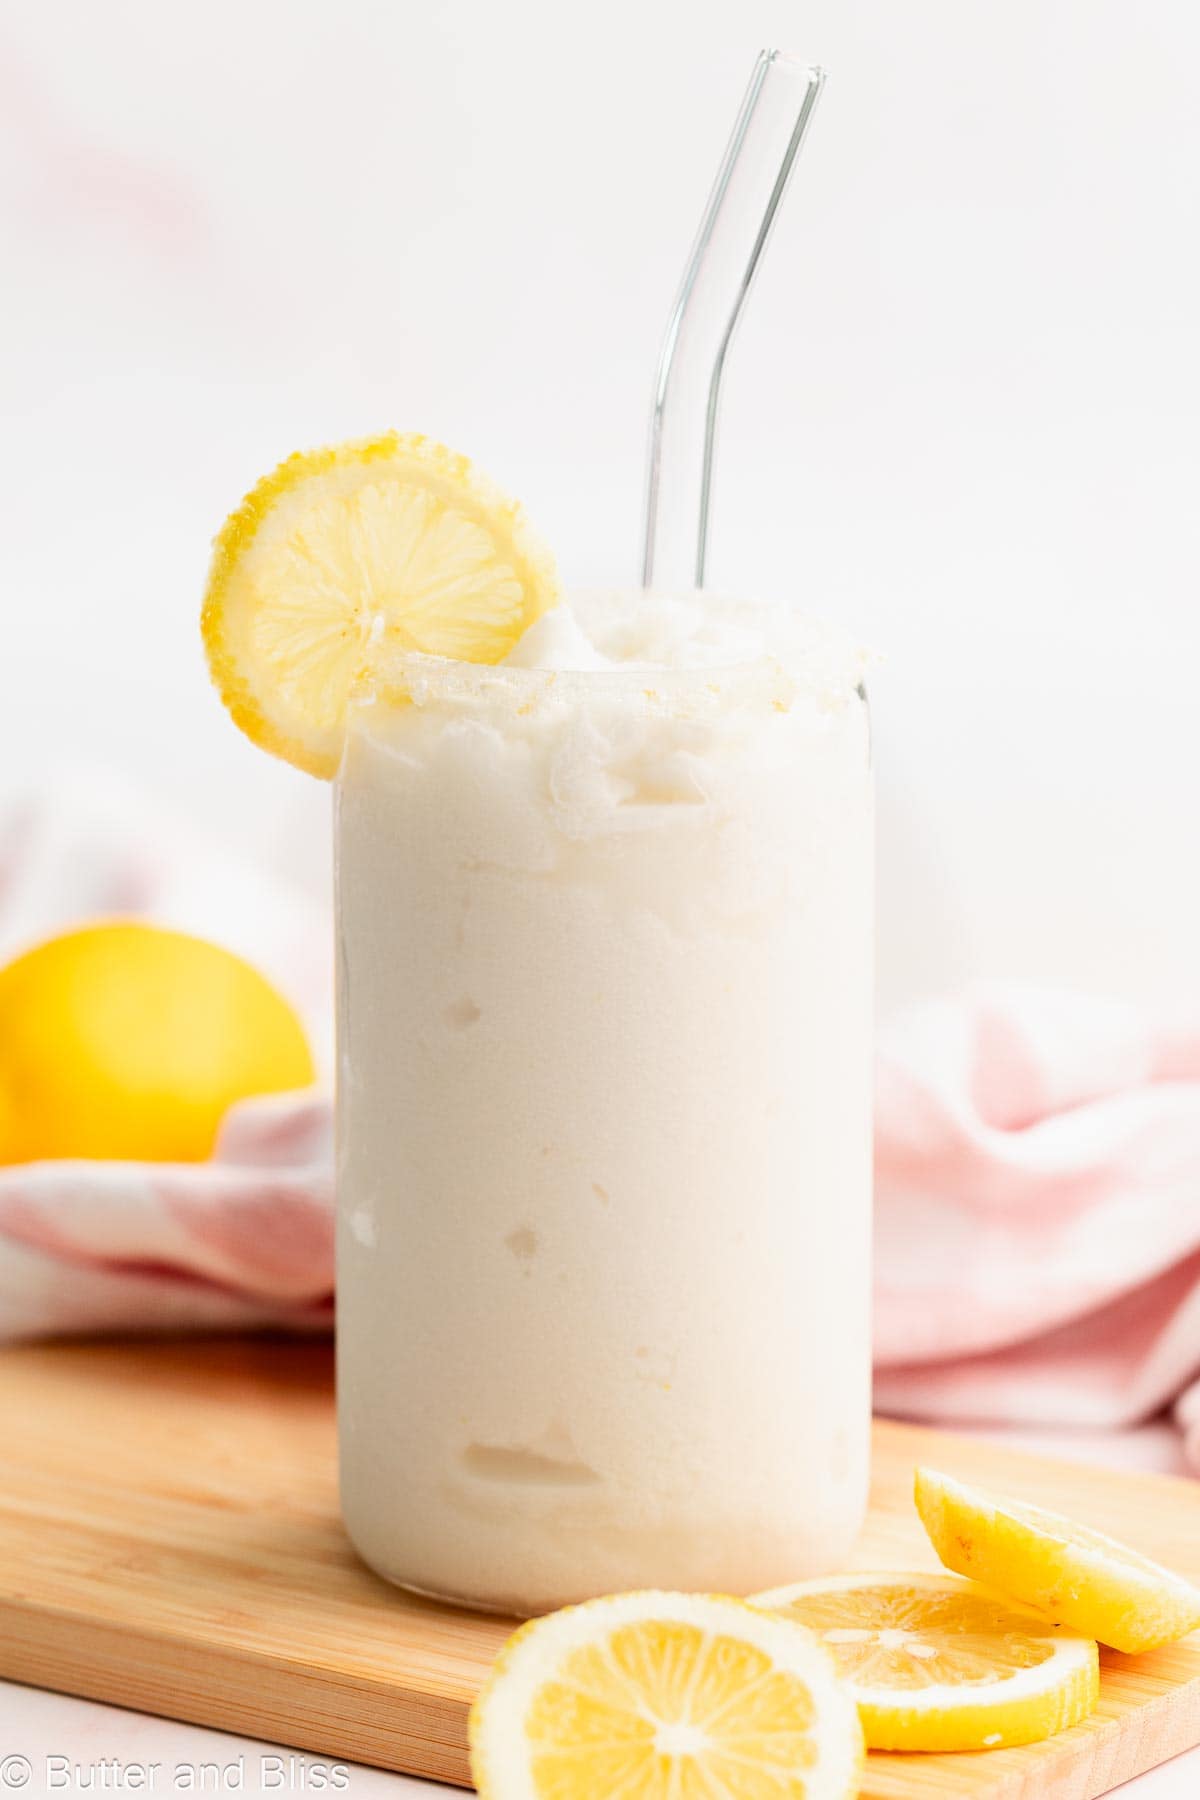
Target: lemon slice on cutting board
(664,1697)
(1071,1574)
(346,554)
(936,1663)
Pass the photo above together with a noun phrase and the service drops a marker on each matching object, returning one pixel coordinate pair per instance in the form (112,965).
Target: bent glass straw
(741,210)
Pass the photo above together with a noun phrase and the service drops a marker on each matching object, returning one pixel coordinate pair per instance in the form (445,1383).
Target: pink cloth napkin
(243,1240)
(1038,1213)
(1037,1164)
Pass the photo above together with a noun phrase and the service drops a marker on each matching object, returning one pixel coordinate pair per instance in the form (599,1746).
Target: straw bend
(767,136)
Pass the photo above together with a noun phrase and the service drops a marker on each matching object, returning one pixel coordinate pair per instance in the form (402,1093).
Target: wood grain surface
(170,1541)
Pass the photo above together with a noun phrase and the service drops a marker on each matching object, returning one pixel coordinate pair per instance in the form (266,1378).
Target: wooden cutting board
(169,1540)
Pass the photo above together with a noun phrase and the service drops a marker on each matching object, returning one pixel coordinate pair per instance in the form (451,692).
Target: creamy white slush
(605,975)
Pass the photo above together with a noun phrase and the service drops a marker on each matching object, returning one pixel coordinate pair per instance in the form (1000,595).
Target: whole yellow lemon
(125,1040)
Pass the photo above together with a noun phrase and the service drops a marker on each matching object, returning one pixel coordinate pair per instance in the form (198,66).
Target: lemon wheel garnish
(664,1697)
(936,1663)
(343,556)
(1077,1576)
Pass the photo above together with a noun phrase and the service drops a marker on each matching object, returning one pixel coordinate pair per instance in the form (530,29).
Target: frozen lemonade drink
(604,997)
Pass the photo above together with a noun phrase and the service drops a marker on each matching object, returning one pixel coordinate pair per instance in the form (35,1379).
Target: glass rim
(798,656)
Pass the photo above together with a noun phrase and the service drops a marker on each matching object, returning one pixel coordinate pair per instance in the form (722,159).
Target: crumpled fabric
(1037,1164)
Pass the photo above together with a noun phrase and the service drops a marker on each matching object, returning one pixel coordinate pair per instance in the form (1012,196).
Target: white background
(963,414)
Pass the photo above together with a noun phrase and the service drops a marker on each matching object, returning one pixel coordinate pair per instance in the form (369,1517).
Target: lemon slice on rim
(936,1663)
(1080,1577)
(346,554)
(664,1697)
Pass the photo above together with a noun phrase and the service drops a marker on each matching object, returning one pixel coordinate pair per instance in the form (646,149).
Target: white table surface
(54,1744)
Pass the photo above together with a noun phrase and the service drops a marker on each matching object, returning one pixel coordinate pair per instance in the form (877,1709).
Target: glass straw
(741,210)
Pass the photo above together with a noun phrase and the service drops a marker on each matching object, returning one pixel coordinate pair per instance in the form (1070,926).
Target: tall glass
(605,974)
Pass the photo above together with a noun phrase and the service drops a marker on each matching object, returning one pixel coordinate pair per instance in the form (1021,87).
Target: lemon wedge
(343,556)
(936,1663)
(664,1697)
(1069,1573)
